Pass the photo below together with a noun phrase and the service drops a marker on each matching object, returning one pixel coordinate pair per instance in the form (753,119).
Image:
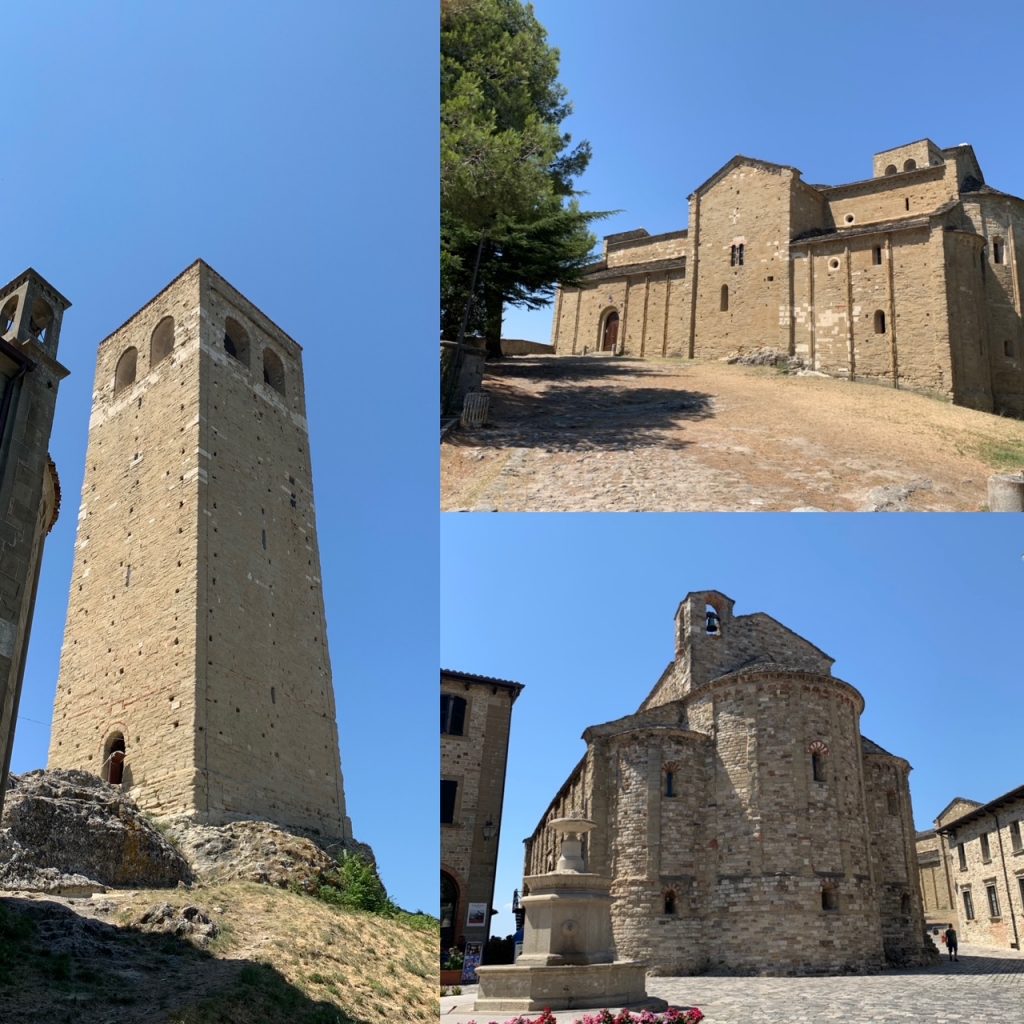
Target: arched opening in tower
(113,759)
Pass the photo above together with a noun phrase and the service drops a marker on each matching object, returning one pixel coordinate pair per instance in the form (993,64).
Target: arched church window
(670,902)
(879,321)
(113,759)
(124,372)
(819,754)
(236,341)
(713,623)
(162,341)
(670,778)
(891,169)
(910,165)
(273,370)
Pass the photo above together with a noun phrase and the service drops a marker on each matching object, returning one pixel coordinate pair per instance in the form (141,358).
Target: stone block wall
(476,760)
(195,626)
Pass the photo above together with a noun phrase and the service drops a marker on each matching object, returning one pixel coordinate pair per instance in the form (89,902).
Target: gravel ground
(591,433)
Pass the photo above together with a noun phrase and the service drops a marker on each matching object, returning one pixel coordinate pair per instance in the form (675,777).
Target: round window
(833,264)
(848,218)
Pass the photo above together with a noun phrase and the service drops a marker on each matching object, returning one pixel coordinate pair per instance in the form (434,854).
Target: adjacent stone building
(31,311)
(746,824)
(476,715)
(195,670)
(909,278)
(973,863)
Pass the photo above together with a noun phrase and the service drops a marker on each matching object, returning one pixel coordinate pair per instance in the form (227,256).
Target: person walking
(950,938)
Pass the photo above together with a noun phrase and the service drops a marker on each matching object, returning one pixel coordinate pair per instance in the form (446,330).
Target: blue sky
(293,147)
(669,91)
(921,612)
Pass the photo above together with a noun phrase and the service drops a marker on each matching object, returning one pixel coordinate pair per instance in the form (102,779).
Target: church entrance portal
(610,335)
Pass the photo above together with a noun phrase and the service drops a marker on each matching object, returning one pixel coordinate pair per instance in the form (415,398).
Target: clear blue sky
(294,147)
(922,613)
(667,91)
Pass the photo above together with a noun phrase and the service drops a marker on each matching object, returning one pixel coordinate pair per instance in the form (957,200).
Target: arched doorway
(610,332)
(113,759)
(449,909)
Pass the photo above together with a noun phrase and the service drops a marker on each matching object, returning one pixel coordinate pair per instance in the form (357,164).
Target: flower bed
(670,1016)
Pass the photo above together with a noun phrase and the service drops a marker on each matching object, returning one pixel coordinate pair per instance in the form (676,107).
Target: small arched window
(40,319)
(8,313)
(670,902)
(998,251)
(124,374)
(723,300)
(879,321)
(712,621)
(162,341)
(910,165)
(819,752)
(670,780)
(273,370)
(113,759)
(236,341)
(891,169)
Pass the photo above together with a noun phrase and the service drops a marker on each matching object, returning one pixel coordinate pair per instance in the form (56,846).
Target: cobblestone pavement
(599,434)
(984,987)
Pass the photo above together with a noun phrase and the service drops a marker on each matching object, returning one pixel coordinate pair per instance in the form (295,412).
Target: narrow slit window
(879,321)
(723,300)
(998,250)
(670,784)
(876,255)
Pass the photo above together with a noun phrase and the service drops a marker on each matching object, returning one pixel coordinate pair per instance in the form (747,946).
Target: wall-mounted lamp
(489,830)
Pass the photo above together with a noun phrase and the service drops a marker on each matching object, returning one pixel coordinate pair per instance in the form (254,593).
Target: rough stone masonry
(195,669)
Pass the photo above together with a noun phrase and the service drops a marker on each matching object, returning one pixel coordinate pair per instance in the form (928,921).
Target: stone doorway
(610,334)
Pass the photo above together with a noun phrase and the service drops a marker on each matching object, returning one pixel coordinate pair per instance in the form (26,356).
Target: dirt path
(602,434)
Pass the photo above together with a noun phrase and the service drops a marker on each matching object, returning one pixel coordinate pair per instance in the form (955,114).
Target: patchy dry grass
(279,958)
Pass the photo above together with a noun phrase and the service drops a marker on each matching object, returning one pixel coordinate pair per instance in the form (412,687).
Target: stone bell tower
(195,669)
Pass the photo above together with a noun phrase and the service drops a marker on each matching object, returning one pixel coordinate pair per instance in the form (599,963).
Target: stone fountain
(568,959)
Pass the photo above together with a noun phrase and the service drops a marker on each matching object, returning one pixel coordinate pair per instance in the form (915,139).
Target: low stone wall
(520,347)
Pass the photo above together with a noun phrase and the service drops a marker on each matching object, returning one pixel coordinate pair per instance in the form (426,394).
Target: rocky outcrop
(68,832)
(184,922)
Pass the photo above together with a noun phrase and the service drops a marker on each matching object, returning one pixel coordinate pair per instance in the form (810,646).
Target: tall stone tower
(195,669)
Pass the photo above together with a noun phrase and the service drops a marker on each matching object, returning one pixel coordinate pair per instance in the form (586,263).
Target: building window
(891,169)
(1008,348)
(906,203)
(670,902)
(892,804)
(993,899)
(876,256)
(124,374)
(968,905)
(736,256)
(1020,885)
(40,319)
(833,264)
(236,341)
(1015,836)
(273,371)
(112,769)
(849,219)
(723,299)
(453,715)
(998,250)
(448,793)
(910,165)
(162,341)
(961,856)
(986,853)
(879,321)
(829,898)
(670,784)
(818,767)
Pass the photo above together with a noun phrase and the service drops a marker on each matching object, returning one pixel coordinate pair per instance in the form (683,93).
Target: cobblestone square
(985,985)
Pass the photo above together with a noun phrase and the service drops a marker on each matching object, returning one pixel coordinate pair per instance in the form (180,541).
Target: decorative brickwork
(909,278)
(784,838)
(195,667)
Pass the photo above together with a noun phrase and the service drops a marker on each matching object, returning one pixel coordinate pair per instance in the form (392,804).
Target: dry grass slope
(279,957)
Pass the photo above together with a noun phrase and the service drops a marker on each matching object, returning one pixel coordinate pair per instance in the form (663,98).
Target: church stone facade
(746,824)
(195,670)
(908,278)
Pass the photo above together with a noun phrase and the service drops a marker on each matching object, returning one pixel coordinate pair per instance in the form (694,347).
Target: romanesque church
(908,278)
(746,823)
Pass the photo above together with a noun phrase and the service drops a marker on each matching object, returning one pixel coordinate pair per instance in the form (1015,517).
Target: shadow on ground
(58,967)
(565,413)
(972,964)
